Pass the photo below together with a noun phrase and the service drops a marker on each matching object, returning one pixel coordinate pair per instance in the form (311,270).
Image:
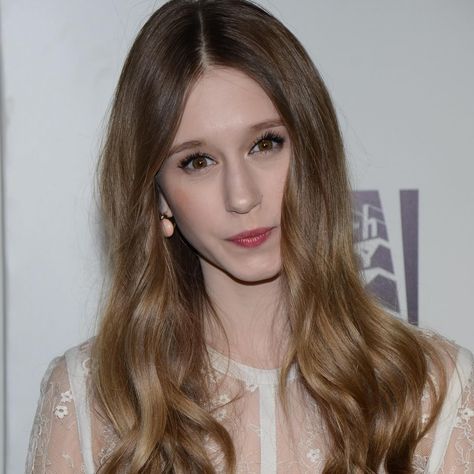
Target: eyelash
(270,136)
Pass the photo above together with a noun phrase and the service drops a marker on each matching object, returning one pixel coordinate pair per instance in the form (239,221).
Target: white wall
(2,296)
(400,72)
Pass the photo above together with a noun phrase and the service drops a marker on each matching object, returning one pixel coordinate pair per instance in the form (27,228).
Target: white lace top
(66,439)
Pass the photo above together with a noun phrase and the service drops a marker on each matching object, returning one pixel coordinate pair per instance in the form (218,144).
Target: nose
(241,189)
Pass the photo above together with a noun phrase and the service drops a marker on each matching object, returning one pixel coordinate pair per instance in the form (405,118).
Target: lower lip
(255,241)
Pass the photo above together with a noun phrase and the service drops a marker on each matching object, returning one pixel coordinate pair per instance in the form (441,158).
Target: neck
(252,316)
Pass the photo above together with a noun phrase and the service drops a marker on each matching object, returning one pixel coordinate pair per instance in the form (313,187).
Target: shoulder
(58,439)
(449,439)
(458,363)
(449,364)
(457,359)
(72,365)
(78,358)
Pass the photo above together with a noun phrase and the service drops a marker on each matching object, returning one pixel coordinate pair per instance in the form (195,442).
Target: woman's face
(225,175)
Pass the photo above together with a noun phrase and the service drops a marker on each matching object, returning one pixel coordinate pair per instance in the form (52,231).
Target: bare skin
(226,175)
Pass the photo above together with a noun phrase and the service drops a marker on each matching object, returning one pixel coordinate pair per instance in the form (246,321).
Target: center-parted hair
(365,369)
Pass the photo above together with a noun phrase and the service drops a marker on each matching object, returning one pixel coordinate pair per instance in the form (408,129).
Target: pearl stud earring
(167,225)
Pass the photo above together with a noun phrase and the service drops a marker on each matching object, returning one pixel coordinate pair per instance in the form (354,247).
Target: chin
(251,273)
(255,276)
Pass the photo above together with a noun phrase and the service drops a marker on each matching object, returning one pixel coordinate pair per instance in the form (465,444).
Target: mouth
(251,238)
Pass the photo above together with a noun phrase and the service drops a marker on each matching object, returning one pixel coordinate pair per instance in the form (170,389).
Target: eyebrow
(253,128)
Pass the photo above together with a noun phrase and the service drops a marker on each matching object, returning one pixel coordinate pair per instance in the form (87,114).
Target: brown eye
(265,145)
(199,162)
(269,142)
(196,162)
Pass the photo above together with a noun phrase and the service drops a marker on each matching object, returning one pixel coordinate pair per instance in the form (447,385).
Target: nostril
(241,193)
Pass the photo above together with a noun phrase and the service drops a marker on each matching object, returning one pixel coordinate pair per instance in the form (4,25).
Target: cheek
(192,210)
(273,185)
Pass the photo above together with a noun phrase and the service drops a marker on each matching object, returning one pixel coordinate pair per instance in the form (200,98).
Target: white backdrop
(401,75)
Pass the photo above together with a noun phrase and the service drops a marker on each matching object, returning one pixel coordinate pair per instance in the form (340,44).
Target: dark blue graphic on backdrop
(371,240)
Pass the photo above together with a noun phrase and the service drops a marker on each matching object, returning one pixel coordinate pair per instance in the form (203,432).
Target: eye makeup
(267,142)
(269,137)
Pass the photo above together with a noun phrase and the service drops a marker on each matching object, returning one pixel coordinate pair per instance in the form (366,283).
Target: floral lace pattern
(54,443)
(245,402)
(460,458)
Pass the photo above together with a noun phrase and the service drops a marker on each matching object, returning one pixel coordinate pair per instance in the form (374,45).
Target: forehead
(224,100)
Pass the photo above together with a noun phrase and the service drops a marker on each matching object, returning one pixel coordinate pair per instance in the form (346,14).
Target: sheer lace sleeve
(454,438)
(54,442)
(448,448)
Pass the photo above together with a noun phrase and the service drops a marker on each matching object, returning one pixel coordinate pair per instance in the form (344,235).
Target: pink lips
(251,238)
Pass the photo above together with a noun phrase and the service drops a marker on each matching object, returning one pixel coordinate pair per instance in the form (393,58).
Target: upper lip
(250,233)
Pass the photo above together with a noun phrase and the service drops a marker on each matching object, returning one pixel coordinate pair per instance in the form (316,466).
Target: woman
(236,335)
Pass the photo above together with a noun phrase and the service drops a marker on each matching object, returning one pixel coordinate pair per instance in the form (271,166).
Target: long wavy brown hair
(365,369)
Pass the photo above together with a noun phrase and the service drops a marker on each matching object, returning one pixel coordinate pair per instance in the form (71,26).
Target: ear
(163,206)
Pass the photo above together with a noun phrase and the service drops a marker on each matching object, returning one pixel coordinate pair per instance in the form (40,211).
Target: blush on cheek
(190,208)
(198,195)
(180,203)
